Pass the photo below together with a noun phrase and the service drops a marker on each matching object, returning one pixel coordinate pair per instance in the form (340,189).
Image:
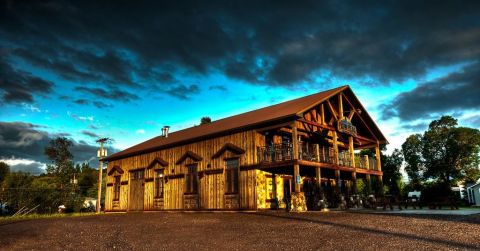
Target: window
(191,179)
(159,181)
(232,176)
(138,174)
(116,188)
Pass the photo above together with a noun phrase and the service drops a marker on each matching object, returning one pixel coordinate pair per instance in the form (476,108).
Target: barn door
(137,185)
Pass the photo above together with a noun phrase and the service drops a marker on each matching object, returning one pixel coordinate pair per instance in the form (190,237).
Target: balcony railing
(314,153)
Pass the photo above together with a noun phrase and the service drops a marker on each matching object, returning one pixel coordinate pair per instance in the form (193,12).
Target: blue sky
(124,71)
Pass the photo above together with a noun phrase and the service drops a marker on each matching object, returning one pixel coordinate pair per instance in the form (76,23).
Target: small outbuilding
(473,193)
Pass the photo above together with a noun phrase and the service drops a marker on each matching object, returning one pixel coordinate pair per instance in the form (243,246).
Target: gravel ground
(244,231)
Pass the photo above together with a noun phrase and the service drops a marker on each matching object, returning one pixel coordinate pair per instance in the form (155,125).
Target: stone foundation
(232,201)
(298,202)
(190,201)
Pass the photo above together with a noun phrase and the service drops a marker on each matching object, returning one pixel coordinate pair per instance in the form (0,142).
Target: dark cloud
(217,87)
(101,105)
(18,86)
(457,91)
(182,91)
(257,41)
(415,127)
(25,141)
(90,134)
(113,93)
(81,101)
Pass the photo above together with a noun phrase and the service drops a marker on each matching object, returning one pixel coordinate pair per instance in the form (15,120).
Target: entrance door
(137,185)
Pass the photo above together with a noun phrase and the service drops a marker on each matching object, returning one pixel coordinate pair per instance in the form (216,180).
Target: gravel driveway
(244,231)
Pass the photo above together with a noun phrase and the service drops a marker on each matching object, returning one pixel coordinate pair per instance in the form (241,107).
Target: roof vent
(165,131)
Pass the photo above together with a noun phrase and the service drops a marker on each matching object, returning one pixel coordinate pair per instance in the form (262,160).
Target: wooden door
(137,187)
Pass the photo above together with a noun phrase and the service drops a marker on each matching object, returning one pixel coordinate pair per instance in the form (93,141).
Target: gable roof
(251,119)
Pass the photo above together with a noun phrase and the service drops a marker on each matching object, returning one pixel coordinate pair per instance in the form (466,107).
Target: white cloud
(140,131)
(81,118)
(30,107)
(25,165)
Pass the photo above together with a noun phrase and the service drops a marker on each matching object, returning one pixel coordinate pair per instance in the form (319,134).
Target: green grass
(44,216)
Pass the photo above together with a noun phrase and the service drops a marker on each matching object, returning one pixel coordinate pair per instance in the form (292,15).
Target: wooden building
(259,159)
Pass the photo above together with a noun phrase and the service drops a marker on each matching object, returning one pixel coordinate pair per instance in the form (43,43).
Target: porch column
(335,147)
(369,183)
(379,166)
(377,155)
(318,176)
(296,167)
(352,156)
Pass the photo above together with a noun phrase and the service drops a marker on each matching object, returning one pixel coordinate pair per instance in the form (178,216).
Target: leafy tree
(4,170)
(445,153)
(18,193)
(412,152)
(391,171)
(205,120)
(450,152)
(62,159)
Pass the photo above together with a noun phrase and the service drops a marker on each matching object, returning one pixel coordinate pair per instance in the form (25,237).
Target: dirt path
(240,231)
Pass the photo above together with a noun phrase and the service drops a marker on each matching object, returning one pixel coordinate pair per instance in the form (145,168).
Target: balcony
(314,153)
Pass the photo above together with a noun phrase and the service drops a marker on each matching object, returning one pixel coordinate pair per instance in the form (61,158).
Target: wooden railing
(314,153)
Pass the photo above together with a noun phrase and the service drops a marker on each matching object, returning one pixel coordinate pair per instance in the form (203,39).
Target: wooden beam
(363,121)
(350,115)
(317,124)
(322,113)
(330,107)
(340,106)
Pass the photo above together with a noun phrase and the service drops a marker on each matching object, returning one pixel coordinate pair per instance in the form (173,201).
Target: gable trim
(228,147)
(159,161)
(189,154)
(115,168)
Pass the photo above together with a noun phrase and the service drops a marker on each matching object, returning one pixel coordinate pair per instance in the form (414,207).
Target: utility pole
(102,152)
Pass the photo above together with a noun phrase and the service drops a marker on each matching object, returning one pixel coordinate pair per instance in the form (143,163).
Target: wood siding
(211,185)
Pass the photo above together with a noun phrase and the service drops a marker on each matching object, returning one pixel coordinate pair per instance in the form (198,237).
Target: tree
(205,120)
(445,153)
(62,159)
(4,170)
(391,171)
(412,153)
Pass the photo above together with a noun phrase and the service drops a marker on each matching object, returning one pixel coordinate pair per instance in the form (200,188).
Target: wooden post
(335,147)
(369,183)
(317,152)
(352,156)
(367,165)
(352,151)
(354,182)
(340,106)
(318,175)
(296,167)
(100,179)
(322,111)
(377,155)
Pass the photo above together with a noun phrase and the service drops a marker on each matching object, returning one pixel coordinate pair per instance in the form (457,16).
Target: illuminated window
(159,183)
(116,188)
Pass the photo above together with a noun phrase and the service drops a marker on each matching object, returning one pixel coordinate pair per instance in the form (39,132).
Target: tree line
(442,157)
(63,183)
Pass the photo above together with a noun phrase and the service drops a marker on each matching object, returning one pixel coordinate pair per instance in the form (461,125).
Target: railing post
(317,152)
(367,165)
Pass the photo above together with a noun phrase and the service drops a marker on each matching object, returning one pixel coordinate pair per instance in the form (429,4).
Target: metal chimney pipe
(165,131)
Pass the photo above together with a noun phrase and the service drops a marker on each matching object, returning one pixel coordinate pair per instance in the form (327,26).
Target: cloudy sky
(124,70)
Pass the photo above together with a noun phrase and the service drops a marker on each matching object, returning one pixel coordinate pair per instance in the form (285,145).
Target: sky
(124,69)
